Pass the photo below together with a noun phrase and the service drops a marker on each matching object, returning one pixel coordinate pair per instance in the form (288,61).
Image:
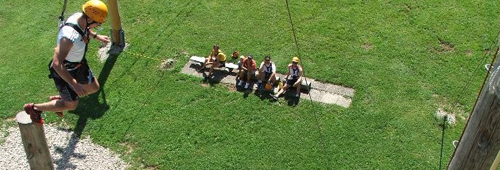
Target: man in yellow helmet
(216,59)
(68,68)
(293,78)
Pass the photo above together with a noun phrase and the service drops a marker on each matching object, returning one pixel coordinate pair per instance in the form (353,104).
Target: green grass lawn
(404,59)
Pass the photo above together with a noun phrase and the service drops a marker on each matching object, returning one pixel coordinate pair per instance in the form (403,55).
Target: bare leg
(298,90)
(92,87)
(212,68)
(56,106)
(272,79)
(249,76)
(282,90)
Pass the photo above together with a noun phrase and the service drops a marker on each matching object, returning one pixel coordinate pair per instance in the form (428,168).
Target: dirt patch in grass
(449,111)
(444,47)
(468,53)
(167,64)
(231,87)
(367,46)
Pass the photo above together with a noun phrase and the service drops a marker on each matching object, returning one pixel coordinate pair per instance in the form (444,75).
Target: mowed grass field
(404,59)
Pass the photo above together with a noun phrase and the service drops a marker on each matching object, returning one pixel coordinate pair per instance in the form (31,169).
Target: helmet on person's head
(250,56)
(95,10)
(295,59)
(268,87)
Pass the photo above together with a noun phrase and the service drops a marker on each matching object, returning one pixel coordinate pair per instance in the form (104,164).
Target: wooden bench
(200,60)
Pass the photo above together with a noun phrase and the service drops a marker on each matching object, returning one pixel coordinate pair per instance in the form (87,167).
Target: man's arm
(102,38)
(261,68)
(287,72)
(274,68)
(60,54)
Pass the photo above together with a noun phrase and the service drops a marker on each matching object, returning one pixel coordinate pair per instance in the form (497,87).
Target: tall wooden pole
(34,142)
(480,141)
(117,34)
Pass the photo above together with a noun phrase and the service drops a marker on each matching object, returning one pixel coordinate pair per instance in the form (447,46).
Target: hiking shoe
(274,97)
(240,83)
(35,115)
(60,114)
(246,85)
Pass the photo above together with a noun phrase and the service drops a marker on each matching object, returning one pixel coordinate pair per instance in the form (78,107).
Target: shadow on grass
(216,77)
(88,108)
(264,94)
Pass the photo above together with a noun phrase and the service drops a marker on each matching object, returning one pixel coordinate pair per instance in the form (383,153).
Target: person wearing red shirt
(248,68)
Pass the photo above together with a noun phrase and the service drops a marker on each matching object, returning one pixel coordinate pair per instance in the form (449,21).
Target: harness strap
(84,36)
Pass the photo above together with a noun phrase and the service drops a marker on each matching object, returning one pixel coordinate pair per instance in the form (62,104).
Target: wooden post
(117,34)
(35,144)
(480,141)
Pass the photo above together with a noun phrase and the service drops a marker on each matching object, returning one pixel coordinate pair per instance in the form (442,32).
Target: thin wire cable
(466,86)
(321,136)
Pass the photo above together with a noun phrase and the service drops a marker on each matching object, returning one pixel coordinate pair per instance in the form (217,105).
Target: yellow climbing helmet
(295,59)
(95,10)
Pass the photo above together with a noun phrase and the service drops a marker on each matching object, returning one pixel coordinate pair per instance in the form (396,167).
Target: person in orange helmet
(68,68)
(293,78)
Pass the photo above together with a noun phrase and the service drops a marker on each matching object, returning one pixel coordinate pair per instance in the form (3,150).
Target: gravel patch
(67,150)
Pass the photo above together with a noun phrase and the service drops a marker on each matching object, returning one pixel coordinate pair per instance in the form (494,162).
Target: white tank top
(268,68)
(77,51)
(294,72)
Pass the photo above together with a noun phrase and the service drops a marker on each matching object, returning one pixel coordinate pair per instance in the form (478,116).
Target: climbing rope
(61,17)
(318,126)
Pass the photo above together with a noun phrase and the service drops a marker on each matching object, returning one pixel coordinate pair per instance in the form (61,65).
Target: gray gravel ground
(67,150)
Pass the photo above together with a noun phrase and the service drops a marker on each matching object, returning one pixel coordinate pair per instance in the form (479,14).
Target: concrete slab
(320,92)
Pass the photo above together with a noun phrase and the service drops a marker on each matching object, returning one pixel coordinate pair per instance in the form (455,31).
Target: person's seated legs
(210,72)
(242,77)
(249,77)
(270,80)
(261,78)
(208,61)
(281,91)
(297,86)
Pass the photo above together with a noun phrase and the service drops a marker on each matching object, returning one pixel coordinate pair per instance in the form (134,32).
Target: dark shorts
(291,81)
(83,75)
(266,76)
(222,63)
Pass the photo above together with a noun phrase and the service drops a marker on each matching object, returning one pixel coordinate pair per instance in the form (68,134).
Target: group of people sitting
(265,74)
